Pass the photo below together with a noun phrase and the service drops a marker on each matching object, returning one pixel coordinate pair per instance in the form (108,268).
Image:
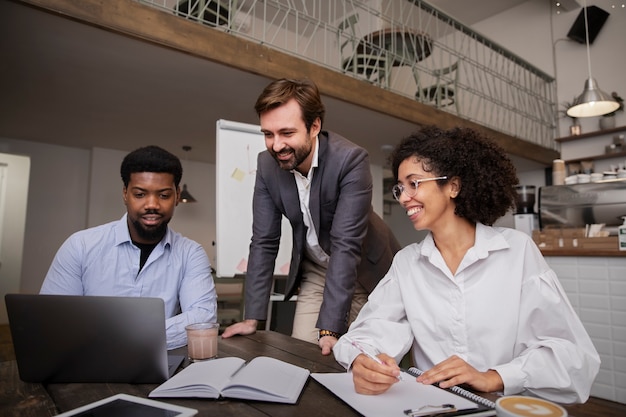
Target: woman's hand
(455,371)
(371,377)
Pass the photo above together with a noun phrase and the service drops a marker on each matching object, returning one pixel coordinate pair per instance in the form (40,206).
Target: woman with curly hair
(477,304)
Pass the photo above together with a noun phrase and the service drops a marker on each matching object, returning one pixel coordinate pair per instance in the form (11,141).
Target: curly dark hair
(151,159)
(488,177)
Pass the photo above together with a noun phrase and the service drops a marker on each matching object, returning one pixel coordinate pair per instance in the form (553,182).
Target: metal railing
(407,47)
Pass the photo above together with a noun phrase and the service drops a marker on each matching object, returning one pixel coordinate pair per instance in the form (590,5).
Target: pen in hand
(369,355)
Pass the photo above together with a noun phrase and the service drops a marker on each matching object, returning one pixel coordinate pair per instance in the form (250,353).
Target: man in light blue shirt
(138,255)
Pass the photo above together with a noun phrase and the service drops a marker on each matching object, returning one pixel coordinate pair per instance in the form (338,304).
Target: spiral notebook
(485,406)
(407,398)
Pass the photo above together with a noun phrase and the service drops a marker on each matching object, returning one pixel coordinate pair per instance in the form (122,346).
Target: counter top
(572,242)
(582,252)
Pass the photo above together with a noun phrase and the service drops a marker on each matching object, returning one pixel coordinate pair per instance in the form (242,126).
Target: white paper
(406,394)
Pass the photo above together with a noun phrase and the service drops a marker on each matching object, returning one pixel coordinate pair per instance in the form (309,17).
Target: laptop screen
(64,338)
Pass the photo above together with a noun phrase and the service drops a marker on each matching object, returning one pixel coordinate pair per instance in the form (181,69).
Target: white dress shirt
(314,251)
(504,309)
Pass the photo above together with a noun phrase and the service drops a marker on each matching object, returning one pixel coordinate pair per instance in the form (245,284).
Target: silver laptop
(65,338)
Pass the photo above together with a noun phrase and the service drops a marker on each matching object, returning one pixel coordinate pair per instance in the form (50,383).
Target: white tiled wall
(596,287)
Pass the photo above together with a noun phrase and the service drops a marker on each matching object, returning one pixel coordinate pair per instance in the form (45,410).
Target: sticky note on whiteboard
(242,266)
(238,175)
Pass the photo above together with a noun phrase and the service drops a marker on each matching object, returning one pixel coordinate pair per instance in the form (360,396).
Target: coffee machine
(526,220)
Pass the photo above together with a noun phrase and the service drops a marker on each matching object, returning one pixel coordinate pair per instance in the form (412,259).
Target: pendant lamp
(185,195)
(592,101)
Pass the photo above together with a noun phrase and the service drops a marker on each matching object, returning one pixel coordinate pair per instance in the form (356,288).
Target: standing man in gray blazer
(322,183)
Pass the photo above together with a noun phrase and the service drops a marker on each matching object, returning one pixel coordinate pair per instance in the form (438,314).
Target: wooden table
(403,47)
(22,399)
(383,49)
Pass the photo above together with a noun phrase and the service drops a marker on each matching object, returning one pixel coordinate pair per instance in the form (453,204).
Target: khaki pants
(310,300)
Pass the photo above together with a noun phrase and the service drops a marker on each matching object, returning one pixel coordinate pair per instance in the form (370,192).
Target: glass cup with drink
(202,341)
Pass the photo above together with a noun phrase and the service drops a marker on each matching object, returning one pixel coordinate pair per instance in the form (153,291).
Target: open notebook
(67,338)
(261,379)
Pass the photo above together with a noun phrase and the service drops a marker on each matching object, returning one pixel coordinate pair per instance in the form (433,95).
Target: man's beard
(150,234)
(297,157)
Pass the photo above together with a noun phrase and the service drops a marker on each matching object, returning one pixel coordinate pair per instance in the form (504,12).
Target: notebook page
(405,394)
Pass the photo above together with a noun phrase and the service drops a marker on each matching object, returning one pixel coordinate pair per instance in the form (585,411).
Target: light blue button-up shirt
(103,261)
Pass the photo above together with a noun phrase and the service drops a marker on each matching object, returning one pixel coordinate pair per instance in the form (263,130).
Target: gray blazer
(360,245)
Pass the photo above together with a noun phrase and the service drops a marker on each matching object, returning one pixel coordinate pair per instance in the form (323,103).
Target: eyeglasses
(411,189)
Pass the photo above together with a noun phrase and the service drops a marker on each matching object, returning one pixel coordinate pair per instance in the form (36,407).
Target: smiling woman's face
(431,203)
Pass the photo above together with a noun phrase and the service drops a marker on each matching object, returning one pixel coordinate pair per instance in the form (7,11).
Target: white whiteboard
(238,145)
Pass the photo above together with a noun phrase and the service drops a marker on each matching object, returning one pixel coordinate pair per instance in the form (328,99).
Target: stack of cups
(558,172)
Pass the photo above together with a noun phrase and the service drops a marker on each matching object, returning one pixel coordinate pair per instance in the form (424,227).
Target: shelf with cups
(591,163)
(588,147)
(591,134)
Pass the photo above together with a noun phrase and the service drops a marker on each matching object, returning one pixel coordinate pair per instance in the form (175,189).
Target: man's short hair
(151,159)
(304,91)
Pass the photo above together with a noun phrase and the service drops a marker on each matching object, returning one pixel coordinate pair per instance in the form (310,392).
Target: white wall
(534,31)
(57,203)
(197,220)
(105,202)
(14,173)
(377,190)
